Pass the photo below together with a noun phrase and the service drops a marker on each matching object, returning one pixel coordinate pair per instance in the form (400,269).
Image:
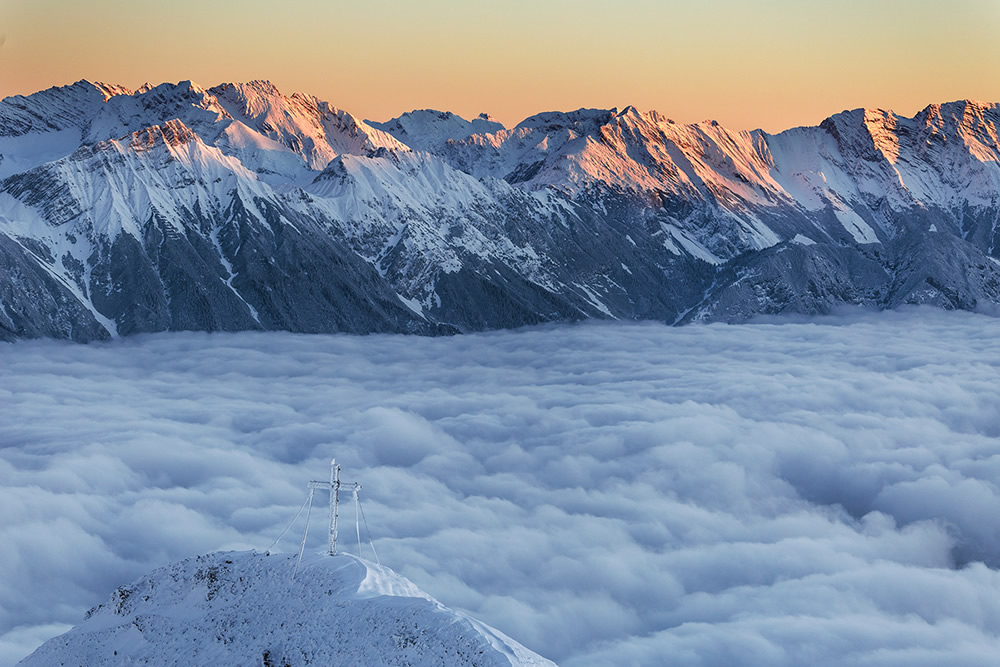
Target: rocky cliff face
(237,207)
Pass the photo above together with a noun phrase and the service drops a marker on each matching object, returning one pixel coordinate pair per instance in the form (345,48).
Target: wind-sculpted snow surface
(819,492)
(237,207)
(245,608)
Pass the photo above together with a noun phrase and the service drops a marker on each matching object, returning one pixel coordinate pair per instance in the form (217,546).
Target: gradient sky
(771,64)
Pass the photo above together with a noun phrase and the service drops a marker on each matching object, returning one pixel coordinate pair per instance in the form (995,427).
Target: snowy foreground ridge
(243,608)
(238,207)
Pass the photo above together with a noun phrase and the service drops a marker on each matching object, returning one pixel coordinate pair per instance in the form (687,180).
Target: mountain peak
(871,133)
(186,87)
(308,126)
(426,129)
(122,114)
(81,87)
(959,111)
(110,90)
(175,95)
(264,85)
(964,104)
(53,109)
(246,608)
(553,120)
(253,96)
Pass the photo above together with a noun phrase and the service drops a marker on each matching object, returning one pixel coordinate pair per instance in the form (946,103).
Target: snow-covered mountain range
(238,207)
(245,608)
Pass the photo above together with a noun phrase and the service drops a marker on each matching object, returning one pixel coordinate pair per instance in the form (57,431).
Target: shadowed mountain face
(238,207)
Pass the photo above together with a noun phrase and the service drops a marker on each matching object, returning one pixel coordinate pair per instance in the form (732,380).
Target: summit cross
(333,486)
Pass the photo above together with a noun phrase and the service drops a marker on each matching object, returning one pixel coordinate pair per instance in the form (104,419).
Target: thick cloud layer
(774,494)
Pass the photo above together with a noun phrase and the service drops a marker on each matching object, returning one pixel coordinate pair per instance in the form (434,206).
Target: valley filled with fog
(795,492)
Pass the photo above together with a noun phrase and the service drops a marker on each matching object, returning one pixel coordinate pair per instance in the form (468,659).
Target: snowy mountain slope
(870,166)
(158,230)
(448,249)
(244,608)
(752,188)
(432,229)
(47,125)
(37,301)
(238,207)
(703,184)
(861,177)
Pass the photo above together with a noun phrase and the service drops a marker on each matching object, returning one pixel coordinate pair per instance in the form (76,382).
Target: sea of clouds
(807,493)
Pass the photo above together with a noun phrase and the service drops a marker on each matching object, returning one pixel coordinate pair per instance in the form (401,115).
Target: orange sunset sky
(771,64)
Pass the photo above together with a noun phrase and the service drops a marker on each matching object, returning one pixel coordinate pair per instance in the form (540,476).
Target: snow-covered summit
(123,114)
(244,608)
(113,89)
(426,129)
(580,119)
(304,124)
(51,110)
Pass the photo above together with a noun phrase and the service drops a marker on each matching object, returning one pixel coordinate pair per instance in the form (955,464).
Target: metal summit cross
(333,486)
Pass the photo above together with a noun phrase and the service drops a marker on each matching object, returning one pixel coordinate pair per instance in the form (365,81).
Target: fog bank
(818,492)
